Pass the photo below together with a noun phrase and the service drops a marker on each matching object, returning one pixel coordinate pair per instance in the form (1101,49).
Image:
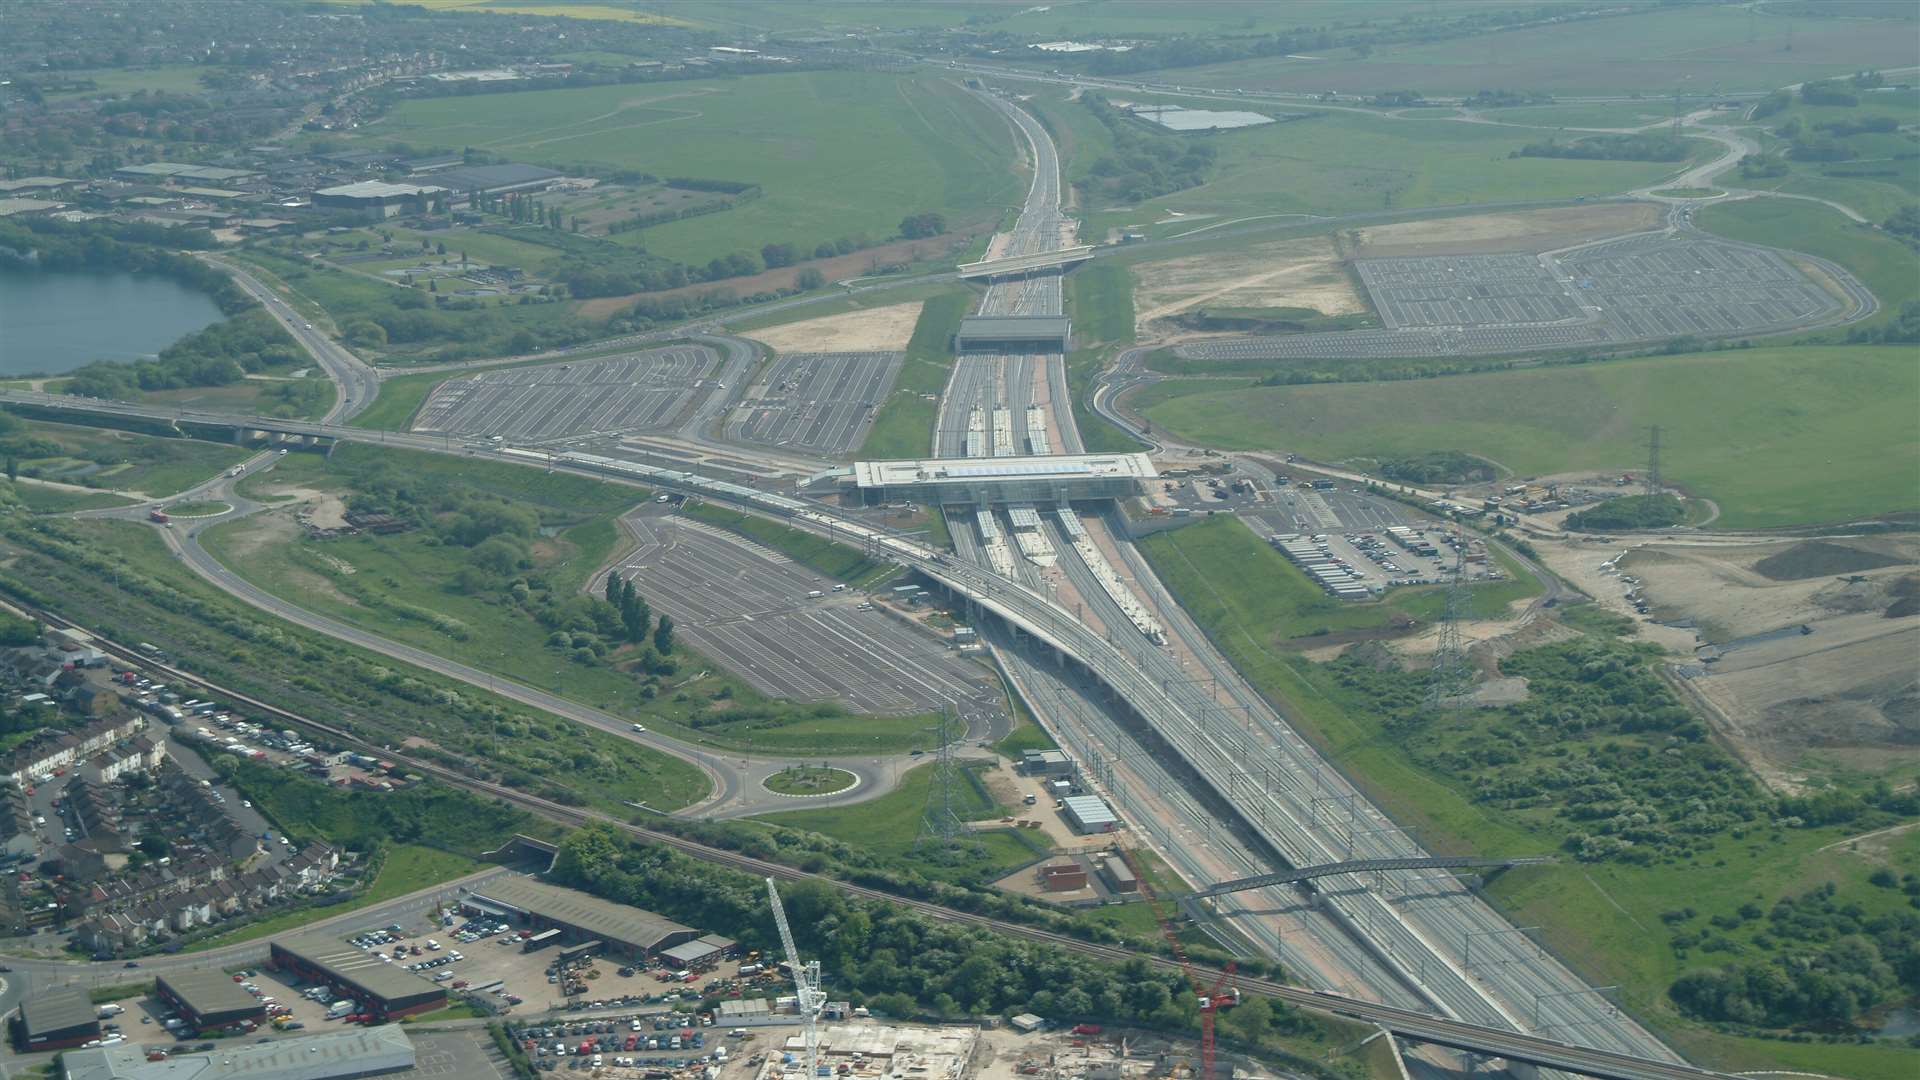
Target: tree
(635,615)
(13,468)
(809,279)
(663,635)
(923,224)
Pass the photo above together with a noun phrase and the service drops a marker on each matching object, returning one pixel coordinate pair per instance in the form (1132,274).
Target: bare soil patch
(1521,231)
(1818,558)
(881,329)
(1305,273)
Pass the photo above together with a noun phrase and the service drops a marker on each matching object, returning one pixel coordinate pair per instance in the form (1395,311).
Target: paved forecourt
(635,392)
(747,607)
(818,402)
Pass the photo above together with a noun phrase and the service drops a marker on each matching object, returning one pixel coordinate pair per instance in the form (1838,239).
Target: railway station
(1059,478)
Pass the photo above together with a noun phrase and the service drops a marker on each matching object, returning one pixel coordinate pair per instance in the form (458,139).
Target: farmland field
(1700,49)
(839,154)
(1345,162)
(1750,452)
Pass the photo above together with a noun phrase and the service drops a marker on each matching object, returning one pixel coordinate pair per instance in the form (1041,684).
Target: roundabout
(810,781)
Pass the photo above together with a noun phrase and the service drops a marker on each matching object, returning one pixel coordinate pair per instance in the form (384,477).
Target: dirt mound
(1821,558)
(881,329)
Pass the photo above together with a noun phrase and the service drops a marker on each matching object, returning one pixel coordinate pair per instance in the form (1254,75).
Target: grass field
(1345,162)
(1699,49)
(123,461)
(1749,453)
(1631,114)
(839,153)
(1883,175)
(404,587)
(400,397)
(1883,264)
(408,868)
(171,79)
(903,428)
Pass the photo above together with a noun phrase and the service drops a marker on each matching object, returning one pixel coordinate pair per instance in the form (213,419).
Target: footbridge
(1021,264)
(244,428)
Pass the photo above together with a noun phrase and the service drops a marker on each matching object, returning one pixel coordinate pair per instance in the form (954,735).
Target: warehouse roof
(209,993)
(989,470)
(589,914)
(179,171)
(1014,327)
(352,1052)
(692,952)
(377,189)
(362,970)
(488,177)
(1088,810)
(57,1010)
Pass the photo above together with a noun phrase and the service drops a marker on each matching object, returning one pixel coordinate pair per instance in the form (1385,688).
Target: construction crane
(1210,999)
(806,984)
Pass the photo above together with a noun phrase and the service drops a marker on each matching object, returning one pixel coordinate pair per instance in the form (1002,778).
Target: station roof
(488,177)
(352,1052)
(56,1011)
(210,993)
(181,171)
(1014,327)
(377,189)
(362,970)
(588,914)
(996,470)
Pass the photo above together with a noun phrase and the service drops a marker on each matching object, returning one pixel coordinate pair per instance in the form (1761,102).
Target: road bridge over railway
(1023,264)
(1360,866)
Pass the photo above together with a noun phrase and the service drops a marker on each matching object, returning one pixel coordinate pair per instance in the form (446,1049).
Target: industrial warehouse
(338,1055)
(384,990)
(208,1000)
(1060,478)
(56,1020)
(583,919)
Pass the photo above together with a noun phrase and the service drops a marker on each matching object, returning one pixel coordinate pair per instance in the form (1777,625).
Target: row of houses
(194,895)
(52,750)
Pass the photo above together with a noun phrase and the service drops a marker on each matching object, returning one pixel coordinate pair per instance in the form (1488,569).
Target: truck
(158,516)
(343,1007)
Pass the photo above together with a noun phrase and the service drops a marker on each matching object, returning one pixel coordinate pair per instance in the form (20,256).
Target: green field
(168,79)
(1883,174)
(51,500)
(407,588)
(1852,405)
(1348,162)
(839,153)
(903,427)
(1698,49)
(1630,114)
(115,460)
(1100,300)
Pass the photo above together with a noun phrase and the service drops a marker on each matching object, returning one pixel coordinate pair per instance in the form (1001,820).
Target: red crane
(1211,999)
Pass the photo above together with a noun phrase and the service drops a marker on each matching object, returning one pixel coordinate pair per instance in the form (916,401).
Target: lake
(56,321)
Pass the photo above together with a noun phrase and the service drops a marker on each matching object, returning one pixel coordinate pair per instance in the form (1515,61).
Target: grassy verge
(1100,298)
(1748,454)
(400,397)
(408,868)
(903,428)
(838,561)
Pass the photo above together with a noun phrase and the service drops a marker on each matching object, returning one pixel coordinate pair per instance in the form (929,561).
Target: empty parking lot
(1637,288)
(818,402)
(635,392)
(747,607)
